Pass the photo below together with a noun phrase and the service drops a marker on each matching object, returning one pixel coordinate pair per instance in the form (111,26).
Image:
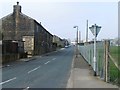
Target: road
(48,71)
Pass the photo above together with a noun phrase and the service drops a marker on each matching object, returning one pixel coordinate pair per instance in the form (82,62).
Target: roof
(6,16)
(26,16)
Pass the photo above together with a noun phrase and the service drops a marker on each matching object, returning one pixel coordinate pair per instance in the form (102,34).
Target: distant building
(58,41)
(31,36)
(66,42)
(115,42)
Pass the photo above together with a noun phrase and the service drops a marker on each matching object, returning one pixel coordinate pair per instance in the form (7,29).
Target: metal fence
(106,67)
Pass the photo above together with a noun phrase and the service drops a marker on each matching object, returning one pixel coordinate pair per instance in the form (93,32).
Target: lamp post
(76,34)
(95,30)
(76,40)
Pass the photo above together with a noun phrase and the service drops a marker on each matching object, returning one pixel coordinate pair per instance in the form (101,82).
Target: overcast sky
(59,17)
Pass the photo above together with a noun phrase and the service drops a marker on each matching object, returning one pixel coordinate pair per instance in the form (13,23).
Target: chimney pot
(17,3)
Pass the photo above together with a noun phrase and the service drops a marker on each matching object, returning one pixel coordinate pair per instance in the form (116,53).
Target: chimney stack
(17,8)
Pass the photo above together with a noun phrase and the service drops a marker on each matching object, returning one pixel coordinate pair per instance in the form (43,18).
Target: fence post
(106,63)
(119,65)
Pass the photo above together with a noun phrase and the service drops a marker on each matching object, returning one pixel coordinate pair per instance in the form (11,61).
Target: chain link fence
(107,68)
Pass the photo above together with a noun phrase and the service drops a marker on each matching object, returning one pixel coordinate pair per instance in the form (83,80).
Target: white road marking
(53,58)
(62,48)
(33,69)
(8,65)
(47,62)
(8,81)
(26,88)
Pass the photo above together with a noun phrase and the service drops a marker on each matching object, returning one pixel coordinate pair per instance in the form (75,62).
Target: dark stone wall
(8,27)
(43,39)
(9,51)
(24,26)
(14,27)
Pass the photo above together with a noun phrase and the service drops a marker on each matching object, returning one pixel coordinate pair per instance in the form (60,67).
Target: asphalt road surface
(48,71)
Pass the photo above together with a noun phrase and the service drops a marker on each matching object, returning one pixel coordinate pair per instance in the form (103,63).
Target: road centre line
(33,69)
(47,62)
(26,88)
(62,48)
(8,81)
(54,59)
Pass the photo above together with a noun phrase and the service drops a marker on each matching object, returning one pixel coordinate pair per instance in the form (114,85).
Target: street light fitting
(75,26)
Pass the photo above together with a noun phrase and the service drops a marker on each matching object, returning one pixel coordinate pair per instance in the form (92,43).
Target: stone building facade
(60,43)
(24,29)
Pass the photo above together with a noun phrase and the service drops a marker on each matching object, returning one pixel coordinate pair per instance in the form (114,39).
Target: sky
(60,16)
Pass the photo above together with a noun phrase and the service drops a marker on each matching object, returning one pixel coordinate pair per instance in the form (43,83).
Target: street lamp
(95,30)
(76,41)
(76,34)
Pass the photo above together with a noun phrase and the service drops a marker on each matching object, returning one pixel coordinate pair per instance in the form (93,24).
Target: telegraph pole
(79,37)
(87,32)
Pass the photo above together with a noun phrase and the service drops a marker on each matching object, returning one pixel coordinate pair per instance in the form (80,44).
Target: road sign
(93,29)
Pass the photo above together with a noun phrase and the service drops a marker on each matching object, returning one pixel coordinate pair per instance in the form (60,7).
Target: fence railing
(107,67)
(114,61)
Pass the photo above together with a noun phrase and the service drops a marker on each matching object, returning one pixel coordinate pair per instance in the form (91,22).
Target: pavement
(82,76)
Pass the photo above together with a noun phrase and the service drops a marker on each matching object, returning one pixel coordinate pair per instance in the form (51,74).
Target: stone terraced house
(31,36)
